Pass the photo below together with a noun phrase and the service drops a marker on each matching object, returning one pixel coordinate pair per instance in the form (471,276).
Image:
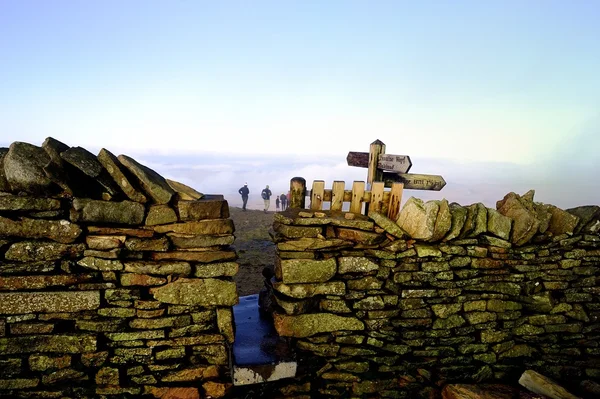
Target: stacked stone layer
(114,282)
(444,294)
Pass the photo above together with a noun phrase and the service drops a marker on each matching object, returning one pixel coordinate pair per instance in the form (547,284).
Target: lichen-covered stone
(498,224)
(57,230)
(24,169)
(443,222)
(194,256)
(203,209)
(359,236)
(589,218)
(292,271)
(115,170)
(39,362)
(353,264)
(161,268)
(100,264)
(186,241)
(219,269)
(88,163)
(311,324)
(153,184)
(203,292)
(523,215)
(48,302)
(301,291)
(562,222)
(225,324)
(48,344)
(124,212)
(27,203)
(207,227)
(130,279)
(104,242)
(446,310)
(312,244)
(192,374)
(32,251)
(451,321)
(418,219)
(135,244)
(160,214)
(427,250)
(387,224)
(459,217)
(184,192)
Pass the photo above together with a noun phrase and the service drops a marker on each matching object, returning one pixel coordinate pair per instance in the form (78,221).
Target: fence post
(297,192)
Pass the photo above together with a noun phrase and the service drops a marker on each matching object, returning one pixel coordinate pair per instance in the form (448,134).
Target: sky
(496,96)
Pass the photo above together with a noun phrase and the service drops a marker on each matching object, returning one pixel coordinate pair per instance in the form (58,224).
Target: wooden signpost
(392,171)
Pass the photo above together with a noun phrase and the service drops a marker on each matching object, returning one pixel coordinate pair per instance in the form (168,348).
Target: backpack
(263,195)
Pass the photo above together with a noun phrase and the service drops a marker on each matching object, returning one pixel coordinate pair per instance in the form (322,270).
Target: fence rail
(376,199)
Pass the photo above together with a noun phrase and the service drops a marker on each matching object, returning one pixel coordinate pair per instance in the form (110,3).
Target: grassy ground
(253,246)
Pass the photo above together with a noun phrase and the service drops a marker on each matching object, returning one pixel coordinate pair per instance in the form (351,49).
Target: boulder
(117,172)
(153,184)
(561,222)
(589,218)
(523,215)
(498,224)
(418,219)
(24,169)
(4,186)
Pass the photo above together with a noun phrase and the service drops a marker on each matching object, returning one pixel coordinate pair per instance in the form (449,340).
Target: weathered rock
(543,214)
(153,184)
(54,148)
(120,231)
(498,224)
(160,214)
(387,224)
(100,264)
(589,218)
(305,270)
(203,292)
(4,186)
(19,383)
(32,251)
(160,268)
(202,227)
(359,236)
(172,393)
(195,256)
(104,242)
(29,267)
(296,231)
(87,163)
(221,269)
(202,209)
(418,219)
(48,302)
(524,217)
(116,171)
(20,203)
(24,169)
(476,221)
(191,241)
(56,230)
(183,191)
(124,212)
(48,344)
(131,279)
(351,264)
(443,222)
(543,385)
(459,217)
(483,391)
(144,244)
(562,222)
(14,283)
(42,363)
(301,291)
(311,324)
(107,376)
(225,323)
(312,244)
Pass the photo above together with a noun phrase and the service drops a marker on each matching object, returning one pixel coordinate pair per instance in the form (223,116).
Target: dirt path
(253,246)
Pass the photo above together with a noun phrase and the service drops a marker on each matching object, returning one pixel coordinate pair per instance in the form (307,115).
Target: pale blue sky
(513,82)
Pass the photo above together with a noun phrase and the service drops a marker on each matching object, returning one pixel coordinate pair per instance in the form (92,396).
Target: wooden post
(376,196)
(316,195)
(395,200)
(297,192)
(337,195)
(358,191)
(377,147)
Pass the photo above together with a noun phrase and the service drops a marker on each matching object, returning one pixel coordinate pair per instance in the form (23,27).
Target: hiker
(266,196)
(244,191)
(276,204)
(283,199)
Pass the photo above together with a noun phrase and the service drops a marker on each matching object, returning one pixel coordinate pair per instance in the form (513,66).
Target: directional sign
(413,181)
(394,163)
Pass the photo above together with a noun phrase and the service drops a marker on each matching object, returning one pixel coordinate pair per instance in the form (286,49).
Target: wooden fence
(377,199)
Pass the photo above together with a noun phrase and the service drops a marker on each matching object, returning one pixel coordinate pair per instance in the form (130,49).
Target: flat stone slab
(259,354)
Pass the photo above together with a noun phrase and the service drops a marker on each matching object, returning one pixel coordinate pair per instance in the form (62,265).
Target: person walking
(244,191)
(276,204)
(283,199)
(266,196)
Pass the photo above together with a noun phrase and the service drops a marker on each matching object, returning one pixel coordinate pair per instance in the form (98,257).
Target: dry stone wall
(114,282)
(446,293)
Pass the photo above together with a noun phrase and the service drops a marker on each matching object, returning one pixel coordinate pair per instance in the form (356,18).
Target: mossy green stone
(311,324)
(427,250)
(528,329)
(291,271)
(451,321)
(387,224)
(446,310)
(202,292)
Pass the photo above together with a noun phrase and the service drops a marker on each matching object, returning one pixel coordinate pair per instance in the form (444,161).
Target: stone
(160,268)
(24,169)
(49,344)
(459,217)
(14,203)
(201,227)
(523,215)
(48,302)
(359,236)
(562,222)
(104,242)
(292,271)
(418,219)
(120,231)
(352,264)
(494,242)
(543,385)
(14,283)
(134,336)
(194,256)
(124,212)
(452,321)
(313,244)
(10,367)
(387,224)
(225,324)
(202,209)
(4,186)
(132,279)
(192,374)
(173,393)
(498,224)
(446,310)
(183,191)
(427,250)
(482,391)
(100,264)
(302,291)
(43,363)
(306,325)
(87,162)
(202,292)
(186,241)
(117,172)
(107,376)
(33,251)
(443,222)
(296,231)
(160,323)
(153,184)
(365,283)
(588,218)
(160,214)
(544,215)
(19,383)
(135,244)
(227,269)
(213,389)
(56,230)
